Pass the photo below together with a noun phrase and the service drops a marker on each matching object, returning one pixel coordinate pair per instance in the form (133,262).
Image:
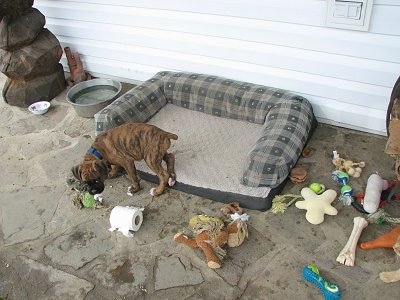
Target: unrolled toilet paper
(126,219)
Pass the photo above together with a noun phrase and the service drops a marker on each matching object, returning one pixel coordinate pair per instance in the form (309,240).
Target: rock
(21,31)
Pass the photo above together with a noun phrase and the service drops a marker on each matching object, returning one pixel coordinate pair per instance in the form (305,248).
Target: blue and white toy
(330,290)
(340,177)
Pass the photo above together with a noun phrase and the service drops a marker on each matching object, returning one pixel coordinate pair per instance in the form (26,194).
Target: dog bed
(237,141)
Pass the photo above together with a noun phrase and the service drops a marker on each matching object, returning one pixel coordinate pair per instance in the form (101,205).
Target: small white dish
(39,108)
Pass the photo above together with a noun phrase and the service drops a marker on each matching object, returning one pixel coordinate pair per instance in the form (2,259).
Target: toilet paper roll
(126,219)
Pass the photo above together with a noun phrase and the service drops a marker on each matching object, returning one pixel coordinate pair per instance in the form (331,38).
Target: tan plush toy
(211,235)
(348,166)
(317,205)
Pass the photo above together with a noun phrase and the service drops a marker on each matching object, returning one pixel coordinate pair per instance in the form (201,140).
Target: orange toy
(386,240)
(211,235)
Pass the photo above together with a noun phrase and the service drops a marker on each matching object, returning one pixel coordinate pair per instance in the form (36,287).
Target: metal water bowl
(91,96)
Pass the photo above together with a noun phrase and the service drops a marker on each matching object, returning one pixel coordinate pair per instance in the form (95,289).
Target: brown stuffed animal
(237,232)
(237,228)
(348,166)
(211,235)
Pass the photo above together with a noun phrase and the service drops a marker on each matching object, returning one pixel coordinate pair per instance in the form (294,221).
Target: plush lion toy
(211,235)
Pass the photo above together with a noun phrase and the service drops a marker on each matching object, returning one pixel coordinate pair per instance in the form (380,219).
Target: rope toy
(380,216)
(211,235)
(281,202)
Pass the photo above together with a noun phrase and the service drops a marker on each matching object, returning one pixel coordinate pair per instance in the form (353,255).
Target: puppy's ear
(101,167)
(76,171)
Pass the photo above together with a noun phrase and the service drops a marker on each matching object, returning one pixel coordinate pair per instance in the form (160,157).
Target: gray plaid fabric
(220,97)
(276,152)
(137,105)
(287,118)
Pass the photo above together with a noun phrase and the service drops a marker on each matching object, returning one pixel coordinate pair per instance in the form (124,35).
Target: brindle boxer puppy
(120,147)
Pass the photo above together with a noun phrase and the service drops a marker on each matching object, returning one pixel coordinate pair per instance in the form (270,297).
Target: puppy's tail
(172,136)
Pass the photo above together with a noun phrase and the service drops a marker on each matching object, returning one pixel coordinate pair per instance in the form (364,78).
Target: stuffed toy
(373,191)
(231,208)
(237,229)
(348,166)
(212,235)
(317,205)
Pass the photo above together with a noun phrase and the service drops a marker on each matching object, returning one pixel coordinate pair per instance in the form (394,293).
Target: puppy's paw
(132,190)
(153,192)
(172,180)
(115,171)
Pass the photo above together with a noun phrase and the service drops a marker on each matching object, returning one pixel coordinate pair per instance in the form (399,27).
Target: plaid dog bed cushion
(287,118)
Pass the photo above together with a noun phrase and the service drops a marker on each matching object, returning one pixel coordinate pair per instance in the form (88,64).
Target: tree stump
(14,8)
(40,58)
(23,93)
(18,32)
(30,55)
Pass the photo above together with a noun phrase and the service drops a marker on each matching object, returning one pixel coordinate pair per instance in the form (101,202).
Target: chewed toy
(330,290)
(317,188)
(84,195)
(317,205)
(348,166)
(348,254)
(373,191)
(211,235)
(386,240)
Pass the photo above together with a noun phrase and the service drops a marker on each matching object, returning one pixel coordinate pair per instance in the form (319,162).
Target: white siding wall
(347,75)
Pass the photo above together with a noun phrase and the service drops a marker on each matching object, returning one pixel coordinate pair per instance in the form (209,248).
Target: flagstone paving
(49,249)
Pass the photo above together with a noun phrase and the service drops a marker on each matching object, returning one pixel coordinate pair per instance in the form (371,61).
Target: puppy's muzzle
(95,187)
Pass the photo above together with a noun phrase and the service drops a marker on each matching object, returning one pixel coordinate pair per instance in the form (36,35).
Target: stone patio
(49,249)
